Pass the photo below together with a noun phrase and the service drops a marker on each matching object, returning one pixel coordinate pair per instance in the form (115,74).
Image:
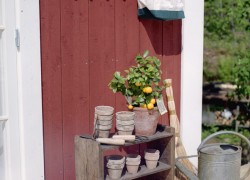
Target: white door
(10,160)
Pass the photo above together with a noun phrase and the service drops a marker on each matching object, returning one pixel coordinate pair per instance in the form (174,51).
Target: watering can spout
(216,161)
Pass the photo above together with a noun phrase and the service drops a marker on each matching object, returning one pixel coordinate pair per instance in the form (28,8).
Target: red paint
(52,89)
(83,44)
(75,78)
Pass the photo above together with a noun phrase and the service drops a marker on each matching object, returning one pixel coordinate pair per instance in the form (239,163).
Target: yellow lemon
(143,106)
(138,84)
(147,90)
(150,106)
(130,107)
(152,101)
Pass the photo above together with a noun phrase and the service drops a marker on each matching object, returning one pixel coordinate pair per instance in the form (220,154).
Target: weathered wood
(111,141)
(143,171)
(156,136)
(166,147)
(169,153)
(80,159)
(90,161)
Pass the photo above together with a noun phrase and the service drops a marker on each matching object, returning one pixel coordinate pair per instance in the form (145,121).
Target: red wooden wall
(83,42)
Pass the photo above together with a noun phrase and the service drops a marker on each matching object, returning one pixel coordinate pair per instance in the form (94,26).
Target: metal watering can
(217,161)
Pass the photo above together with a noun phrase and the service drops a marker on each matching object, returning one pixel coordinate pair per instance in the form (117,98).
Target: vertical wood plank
(177,46)
(75,77)
(51,88)
(168,59)
(89,159)
(172,56)
(80,159)
(101,53)
(126,40)
(151,39)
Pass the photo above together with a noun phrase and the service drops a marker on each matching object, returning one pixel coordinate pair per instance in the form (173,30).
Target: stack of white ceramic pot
(103,120)
(125,123)
(115,165)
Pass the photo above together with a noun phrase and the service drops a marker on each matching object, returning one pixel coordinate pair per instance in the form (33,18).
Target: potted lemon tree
(140,86)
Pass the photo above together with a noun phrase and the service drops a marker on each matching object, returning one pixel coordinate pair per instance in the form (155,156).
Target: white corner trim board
(191,76)
(25,159)
(2,28)
(29,85)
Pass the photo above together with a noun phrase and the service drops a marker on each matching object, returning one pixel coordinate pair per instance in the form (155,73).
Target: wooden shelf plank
(143,171)
(139,140)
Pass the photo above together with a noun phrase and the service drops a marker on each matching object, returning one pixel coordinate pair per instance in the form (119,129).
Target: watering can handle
(227,132)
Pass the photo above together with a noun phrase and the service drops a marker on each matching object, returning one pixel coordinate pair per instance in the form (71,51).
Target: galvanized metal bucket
(218,161)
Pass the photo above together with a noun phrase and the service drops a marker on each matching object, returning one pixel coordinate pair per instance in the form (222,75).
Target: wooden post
(88,159)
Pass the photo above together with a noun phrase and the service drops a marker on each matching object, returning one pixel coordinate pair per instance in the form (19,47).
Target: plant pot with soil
(141,87)
(115,165)
(132,163)
(151,157)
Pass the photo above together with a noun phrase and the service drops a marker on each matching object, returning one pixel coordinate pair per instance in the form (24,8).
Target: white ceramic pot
(125,115)
(104,110)
(104,118)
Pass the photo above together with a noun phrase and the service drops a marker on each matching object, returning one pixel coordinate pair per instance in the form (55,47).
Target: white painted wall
(191,76)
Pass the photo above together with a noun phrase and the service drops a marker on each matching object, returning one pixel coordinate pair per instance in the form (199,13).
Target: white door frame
(25,127)
(191,75)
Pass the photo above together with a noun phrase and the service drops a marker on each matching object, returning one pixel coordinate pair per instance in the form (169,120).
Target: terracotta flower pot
(105,123)
(132,163)
(151,164)
(115,159)
(115,173)
(131,168)
(146,121)
(125,115)
(102,133)
(104,127)
(133,157)
(152,152)
(125,132)
(151,156)
(115,166)
(104,110)
(121,122)
(125,127)
(105,118)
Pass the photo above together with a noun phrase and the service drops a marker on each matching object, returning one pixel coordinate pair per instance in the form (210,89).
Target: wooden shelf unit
(89,157)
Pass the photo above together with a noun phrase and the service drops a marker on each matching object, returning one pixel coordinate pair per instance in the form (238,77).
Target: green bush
(225,70)
(224,138)
(241,72)
(226,37)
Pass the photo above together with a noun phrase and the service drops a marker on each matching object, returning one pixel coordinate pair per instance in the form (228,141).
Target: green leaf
(145,54)
(114,90)
(117,75)
(129,93)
